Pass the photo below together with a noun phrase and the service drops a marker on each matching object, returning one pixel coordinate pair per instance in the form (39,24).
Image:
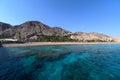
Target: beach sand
(52,43)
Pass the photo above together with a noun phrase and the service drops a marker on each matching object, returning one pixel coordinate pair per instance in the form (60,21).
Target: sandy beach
(52,43)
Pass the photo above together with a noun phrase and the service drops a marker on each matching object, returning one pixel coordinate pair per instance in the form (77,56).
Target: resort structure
(8,40)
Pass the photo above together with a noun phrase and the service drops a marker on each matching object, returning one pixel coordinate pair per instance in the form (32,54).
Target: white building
(8,40)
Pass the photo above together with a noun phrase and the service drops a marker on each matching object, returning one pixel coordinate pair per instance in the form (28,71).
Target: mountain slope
(82,36)
(32,28)
(35,29)
(59,31)
(5,30)
(4,26)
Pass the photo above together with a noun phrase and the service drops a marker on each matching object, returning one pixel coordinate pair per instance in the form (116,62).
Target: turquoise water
(61,62)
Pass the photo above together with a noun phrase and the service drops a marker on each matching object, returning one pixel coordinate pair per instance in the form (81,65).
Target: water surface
(61,62)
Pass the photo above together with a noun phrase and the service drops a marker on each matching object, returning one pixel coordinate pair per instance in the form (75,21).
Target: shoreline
(52,43)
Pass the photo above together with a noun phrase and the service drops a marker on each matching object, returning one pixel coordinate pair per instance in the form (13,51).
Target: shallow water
(61,62)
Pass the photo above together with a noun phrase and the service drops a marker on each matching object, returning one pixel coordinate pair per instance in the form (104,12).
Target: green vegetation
(48,38)
(45,38)
(52,38)
(98,40)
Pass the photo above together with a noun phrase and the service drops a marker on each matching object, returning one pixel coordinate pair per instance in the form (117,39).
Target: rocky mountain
(30,29)
(34,29)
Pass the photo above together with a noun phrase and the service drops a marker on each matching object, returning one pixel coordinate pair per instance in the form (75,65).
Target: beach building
(8,40)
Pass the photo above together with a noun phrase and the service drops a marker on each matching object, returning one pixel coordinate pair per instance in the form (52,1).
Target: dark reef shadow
(4,55)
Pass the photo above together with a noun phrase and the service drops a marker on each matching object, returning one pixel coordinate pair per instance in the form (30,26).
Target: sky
(102,16)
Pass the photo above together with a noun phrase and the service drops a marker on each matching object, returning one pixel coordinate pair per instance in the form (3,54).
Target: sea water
(61,62)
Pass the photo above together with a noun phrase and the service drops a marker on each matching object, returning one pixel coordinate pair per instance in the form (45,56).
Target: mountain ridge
(34,29)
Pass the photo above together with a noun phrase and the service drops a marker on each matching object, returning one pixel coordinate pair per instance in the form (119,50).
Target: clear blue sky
(101,16)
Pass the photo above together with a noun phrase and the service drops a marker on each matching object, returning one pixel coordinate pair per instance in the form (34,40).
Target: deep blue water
(61,62)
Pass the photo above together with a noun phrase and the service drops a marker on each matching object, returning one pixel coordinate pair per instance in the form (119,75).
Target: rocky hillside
(4,26)
(35,29)
(82,36)
(30,29)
